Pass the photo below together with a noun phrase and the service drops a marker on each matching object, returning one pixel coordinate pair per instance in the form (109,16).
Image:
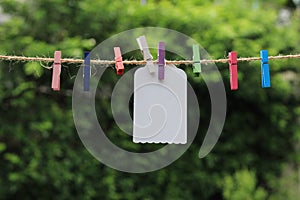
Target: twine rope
(137,62)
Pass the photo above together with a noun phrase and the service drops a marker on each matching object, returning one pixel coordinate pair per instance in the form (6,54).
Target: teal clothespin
(196,59)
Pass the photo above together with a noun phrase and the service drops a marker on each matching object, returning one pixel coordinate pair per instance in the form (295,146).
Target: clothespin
(265,71)
(146,53)
(119,61)
(161,60)
(233,70)
(56,71)
(86,71)
(196,59)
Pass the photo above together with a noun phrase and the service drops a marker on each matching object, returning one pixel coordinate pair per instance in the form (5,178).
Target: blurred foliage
(242,185)
(41,155)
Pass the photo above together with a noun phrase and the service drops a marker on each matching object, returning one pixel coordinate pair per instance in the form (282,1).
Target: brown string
(137,62)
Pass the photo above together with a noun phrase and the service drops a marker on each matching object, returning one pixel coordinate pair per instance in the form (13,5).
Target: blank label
(160,106)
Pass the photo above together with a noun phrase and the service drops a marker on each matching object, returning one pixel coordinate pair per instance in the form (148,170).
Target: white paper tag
(160,106)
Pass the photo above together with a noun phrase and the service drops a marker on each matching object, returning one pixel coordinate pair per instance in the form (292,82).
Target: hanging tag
(160,108)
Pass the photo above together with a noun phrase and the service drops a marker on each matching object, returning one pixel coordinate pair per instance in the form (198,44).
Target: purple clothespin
(161,60)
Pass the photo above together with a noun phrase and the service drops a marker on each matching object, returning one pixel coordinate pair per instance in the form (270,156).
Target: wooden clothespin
(142,42)
(265,71)
(119,61)
(233,70)
(161,60)
(86,72)
(56,71)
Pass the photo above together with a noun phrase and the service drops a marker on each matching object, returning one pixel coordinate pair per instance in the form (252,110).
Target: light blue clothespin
(265,71)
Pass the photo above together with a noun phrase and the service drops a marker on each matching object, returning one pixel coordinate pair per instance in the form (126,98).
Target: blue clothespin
(265,71)
(86,72)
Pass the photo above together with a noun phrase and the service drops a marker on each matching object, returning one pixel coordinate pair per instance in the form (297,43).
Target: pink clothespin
(56,71)
(119,61)
(233,70)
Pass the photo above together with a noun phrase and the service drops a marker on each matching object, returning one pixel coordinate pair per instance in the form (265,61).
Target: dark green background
(257,156)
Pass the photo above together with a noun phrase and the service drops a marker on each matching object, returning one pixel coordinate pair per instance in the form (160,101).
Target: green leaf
(12,158)
(2,147)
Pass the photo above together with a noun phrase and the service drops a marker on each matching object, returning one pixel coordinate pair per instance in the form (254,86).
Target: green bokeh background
(257,156)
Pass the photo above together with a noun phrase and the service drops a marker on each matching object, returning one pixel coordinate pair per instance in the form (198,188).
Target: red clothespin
(56,71)
(119,61)
(233,70)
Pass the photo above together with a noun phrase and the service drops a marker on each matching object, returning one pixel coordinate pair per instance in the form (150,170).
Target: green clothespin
(196,59)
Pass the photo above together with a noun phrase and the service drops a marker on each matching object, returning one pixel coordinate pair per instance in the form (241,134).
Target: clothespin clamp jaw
(119,61)
(232,58)
(56,71)
(143,45)
(161,60)
(86,72)
(265,70)
(196,60)
(233,70)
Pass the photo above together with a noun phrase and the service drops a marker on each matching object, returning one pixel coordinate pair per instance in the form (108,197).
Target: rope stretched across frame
(137,62)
